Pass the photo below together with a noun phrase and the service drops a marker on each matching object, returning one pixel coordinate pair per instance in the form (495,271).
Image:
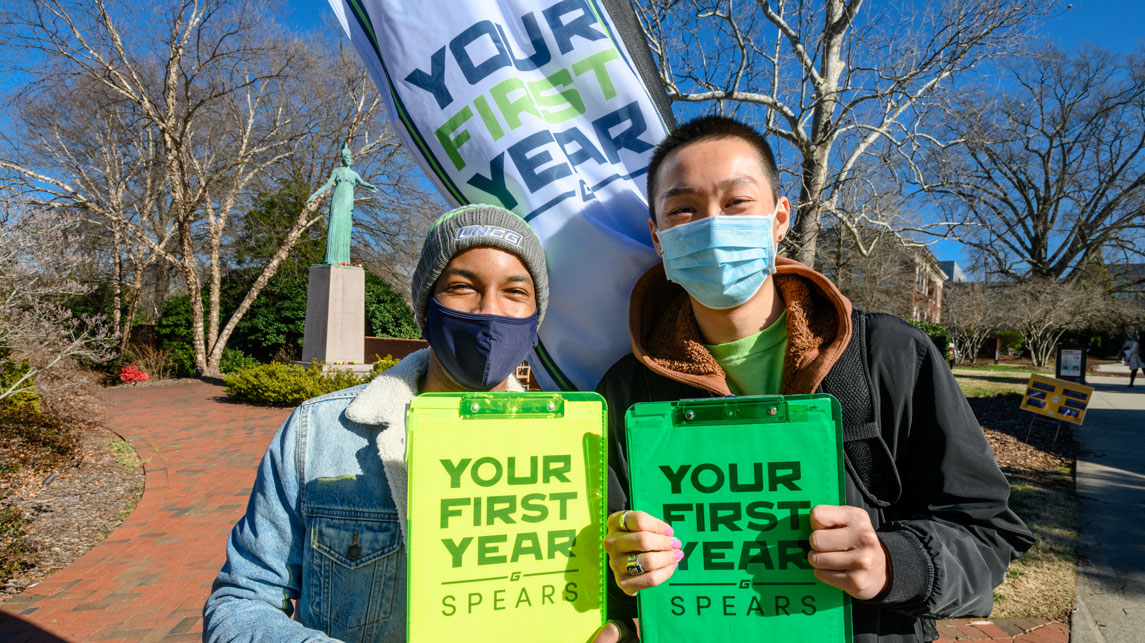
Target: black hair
(705,128)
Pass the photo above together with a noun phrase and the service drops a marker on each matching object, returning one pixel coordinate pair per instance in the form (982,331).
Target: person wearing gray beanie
(480,291)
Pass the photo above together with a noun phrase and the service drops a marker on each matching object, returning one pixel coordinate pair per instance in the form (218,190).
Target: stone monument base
(356,369)
(335,317)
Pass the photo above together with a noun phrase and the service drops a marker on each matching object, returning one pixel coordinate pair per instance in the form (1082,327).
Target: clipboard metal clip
(755,410)
(490,406)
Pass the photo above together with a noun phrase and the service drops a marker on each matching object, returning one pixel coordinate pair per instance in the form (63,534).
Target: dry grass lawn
(976,383)
(1041,584)
(1040,470)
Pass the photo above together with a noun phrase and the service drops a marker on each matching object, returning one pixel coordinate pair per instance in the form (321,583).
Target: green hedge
(1011,340)
(10,372)
(293,384)
(235,360)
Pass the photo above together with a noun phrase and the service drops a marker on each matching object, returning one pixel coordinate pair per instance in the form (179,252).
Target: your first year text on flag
(536,106)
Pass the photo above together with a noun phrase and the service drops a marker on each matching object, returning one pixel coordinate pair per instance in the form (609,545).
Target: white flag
(538,107)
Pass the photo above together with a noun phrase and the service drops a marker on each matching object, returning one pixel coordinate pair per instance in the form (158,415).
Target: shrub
(387,314)
(286,355)
(382,364)
(275,320)
(175,337)
(286,384)
(181,359)
(235,360)
(131,375)
(10,372)
(174,323)
(1011,341)
(150,359)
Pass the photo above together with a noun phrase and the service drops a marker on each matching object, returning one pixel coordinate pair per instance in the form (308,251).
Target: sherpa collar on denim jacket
(384,402)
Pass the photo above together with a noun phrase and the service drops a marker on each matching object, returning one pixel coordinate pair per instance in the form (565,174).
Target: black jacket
(950,535)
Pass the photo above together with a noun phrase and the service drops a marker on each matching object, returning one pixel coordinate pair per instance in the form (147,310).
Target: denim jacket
(322,527)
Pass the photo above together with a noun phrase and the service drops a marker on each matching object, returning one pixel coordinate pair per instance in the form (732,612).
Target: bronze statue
(341,208)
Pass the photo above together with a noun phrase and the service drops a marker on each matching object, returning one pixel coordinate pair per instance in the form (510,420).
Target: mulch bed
(1024,452)
(87,499)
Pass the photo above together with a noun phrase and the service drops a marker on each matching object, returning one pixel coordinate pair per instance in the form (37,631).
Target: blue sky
(1113,24)
(1116,24)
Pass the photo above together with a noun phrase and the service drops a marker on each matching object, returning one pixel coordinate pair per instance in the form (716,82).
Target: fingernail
(670,531)
(676,544)
(679,554)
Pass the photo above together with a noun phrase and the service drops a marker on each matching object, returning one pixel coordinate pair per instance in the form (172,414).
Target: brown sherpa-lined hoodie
(666,338)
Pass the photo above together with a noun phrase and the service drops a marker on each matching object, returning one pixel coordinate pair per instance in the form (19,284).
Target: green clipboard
(506,513)
(736,478)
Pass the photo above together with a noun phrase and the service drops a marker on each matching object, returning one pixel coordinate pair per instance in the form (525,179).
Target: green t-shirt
(754,364)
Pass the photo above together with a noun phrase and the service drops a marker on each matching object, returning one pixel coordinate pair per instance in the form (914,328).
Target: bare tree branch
(849,82)
(1053,172)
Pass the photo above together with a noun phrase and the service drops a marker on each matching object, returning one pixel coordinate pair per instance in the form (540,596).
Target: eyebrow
(723,185)
(472,276)
(460,272)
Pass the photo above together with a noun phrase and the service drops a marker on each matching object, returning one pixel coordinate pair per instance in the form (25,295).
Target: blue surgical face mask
(722,260)
(478,351)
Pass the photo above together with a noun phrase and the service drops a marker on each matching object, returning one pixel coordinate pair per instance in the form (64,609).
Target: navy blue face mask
(478,351)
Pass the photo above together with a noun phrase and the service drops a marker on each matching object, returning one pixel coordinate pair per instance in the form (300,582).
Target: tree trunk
(300,225)
(162,286)
(195,292)
(805,230)
(1041,349)
(215,288)
(816,159)
(805,235)
(975,346)
(116,291)
(134,295)
(810,207)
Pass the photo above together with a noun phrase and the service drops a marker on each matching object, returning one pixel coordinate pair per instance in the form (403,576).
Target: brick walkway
(1025,630)
(148,580)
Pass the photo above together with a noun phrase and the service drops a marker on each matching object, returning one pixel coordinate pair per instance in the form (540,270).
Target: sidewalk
(148,580)
(1110,603)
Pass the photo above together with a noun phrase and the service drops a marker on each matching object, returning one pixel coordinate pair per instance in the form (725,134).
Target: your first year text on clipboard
(506,510)
(736,479)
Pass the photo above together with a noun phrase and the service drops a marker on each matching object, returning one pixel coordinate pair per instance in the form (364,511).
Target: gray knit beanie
(471,226)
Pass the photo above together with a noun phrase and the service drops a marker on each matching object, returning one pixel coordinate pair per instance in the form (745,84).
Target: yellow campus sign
(1058,399)
(506,516)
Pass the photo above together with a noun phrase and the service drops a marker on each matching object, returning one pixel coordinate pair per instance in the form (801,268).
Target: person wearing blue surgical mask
(323,539)
(926,532)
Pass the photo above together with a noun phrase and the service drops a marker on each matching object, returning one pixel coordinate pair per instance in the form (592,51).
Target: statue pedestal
(335,317)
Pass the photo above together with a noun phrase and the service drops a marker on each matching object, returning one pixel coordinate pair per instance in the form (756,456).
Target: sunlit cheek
(466,303)
(517,307)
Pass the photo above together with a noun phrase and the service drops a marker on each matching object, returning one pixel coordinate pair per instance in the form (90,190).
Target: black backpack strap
(868,459)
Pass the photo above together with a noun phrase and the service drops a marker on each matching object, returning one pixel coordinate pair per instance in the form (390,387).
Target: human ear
(782,219)
(655,237)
